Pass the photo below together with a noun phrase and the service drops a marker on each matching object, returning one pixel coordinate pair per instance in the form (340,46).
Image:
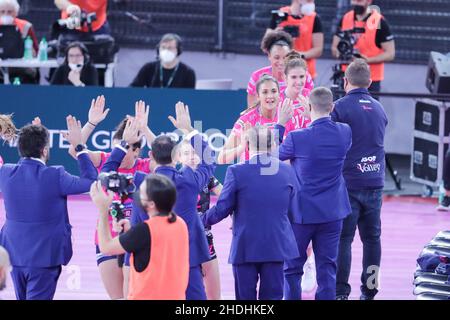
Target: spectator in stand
(168,71)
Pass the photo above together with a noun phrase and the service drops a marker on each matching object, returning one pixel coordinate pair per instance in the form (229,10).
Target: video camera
(85,18)
(346,45)
(279,16)
(117,182)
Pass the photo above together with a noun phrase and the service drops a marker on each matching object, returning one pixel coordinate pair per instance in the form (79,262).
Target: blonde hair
(294,60)
(7,127)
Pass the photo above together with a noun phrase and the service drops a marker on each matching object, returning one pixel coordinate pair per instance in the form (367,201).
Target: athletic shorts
(102,257)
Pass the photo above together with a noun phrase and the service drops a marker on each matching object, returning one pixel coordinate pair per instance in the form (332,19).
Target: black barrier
(217,110)
(440,97)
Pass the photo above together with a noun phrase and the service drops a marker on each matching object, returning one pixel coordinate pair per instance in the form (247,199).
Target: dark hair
(82,47)
(118,135)
(163,193)
(162,149)
(272,38)
(265,78)
(294,60)
(32,141)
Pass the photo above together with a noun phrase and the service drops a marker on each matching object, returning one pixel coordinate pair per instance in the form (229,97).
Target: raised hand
(75,78)
(97,112)
(286,112)
(183,119)
(141,114)
(73,134)
(101,199)
(131,134)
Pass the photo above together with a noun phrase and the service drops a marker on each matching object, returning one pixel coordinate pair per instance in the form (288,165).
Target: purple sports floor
(408,224)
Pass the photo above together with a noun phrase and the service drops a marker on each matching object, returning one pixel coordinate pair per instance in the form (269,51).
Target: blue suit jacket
(37,231)
(188,183)
(260,201)
(317,154)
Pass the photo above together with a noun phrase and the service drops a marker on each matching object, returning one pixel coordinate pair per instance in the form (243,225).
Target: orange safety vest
(166,276)
(304,41)
(366,43)
(97,6)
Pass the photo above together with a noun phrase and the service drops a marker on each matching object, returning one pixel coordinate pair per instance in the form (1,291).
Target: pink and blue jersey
(251,87)
(255,118)
(142,165)
(298,121)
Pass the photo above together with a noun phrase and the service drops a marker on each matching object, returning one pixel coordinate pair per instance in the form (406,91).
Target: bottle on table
(16,81)
(43,49)
(28,50)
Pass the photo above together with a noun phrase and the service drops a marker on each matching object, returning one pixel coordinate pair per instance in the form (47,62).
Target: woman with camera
(276,44)
(159,246)
(114,276)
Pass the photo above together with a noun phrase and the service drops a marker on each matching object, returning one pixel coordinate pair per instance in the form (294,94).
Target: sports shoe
(341,297)
(309,275)
(445,204)
(364,297)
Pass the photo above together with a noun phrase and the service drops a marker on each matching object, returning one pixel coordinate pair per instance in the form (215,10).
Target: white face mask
(7,20)
(75,66)
(308,9)
(167,56)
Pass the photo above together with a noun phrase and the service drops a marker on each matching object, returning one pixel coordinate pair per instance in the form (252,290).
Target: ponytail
(172,217)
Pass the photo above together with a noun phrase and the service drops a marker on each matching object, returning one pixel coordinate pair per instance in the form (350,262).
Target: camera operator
(302,22)
(77,11)
(376,44)
(159,245)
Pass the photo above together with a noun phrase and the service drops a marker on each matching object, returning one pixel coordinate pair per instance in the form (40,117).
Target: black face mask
(359,10)
(138,202)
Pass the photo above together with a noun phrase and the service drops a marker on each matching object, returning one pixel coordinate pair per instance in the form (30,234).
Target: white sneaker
(309,275)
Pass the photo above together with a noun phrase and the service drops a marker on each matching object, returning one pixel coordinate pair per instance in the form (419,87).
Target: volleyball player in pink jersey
(276,44)
(296,74)
(265,113)
(298,97)
(114,277)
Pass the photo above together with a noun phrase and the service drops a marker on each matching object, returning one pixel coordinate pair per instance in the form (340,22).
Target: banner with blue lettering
(213,111)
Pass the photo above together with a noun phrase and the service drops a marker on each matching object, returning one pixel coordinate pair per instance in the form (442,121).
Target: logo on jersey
(369,164)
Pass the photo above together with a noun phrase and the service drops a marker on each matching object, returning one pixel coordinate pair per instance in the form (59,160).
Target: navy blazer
(259,191)
(188,183)
(317,154)
(37,232)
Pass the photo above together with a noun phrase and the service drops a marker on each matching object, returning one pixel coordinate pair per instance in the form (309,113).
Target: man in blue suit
(317,155)
(188,183)
(37,231)
(258,192)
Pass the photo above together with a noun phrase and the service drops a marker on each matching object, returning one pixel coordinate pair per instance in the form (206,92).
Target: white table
(51,63)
